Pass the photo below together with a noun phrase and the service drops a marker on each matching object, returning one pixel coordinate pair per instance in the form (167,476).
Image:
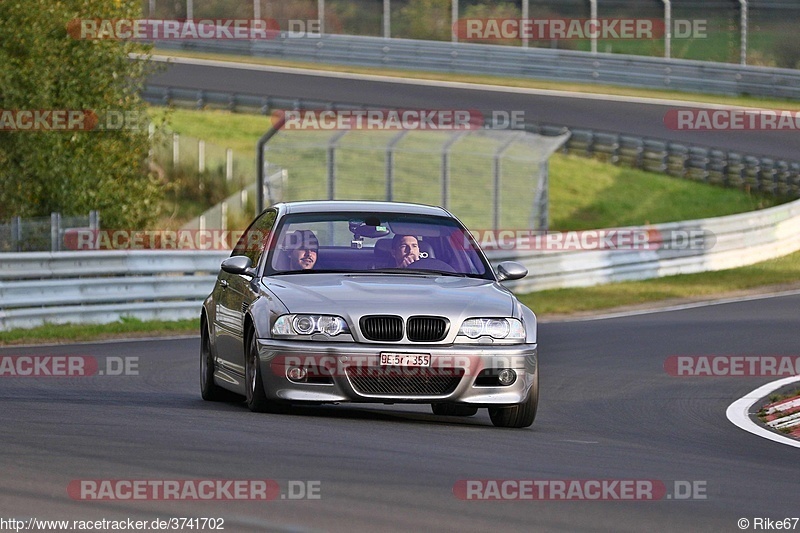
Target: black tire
(520,415)
(453,409)
(256,398)
(210,391)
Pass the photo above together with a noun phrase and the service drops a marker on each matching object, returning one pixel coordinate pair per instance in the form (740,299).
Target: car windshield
(386,243)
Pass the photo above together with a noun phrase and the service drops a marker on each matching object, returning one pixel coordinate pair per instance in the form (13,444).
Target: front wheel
(520,415)
(256,397)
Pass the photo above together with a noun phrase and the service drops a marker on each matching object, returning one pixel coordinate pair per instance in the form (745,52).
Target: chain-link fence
(723,30)
(490,179)
(198,174)
(44,234)
(237,210)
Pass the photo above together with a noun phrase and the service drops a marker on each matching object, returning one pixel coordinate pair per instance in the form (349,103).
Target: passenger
(302,247)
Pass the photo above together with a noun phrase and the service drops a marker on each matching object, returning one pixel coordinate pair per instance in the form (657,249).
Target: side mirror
(239,264)
(511,270)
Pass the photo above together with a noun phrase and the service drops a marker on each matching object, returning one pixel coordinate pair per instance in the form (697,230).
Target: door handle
(223,283)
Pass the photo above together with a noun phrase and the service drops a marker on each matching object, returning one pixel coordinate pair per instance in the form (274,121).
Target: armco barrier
(736,240)
(100,287)
(60,287)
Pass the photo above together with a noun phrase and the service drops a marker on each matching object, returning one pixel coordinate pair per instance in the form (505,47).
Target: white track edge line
(738,412)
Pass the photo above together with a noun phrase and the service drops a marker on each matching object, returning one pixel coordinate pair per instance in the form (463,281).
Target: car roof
(342,206)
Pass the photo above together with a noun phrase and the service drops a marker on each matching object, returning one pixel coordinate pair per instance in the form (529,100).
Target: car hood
(355,295)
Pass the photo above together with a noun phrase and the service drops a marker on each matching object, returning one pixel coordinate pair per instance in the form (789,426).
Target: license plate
(405,359)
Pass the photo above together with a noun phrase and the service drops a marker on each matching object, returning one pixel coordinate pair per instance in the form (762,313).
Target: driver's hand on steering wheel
(407,260)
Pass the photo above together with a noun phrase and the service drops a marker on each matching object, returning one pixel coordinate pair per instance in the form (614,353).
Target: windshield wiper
(312,271)
(421,271)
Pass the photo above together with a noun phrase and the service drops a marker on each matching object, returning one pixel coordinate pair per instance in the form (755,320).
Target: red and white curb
(739,411)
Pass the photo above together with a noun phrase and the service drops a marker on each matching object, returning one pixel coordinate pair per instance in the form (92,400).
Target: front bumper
(351,372)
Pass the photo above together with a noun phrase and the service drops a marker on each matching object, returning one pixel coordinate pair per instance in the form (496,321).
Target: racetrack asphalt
(608,411)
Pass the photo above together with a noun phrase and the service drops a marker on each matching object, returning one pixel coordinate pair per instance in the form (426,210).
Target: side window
(253,240)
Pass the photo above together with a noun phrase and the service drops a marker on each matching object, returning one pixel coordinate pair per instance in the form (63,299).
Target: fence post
(454,20)
(389,172)
(331,163)
(16,233)
(541,202)
(743,23)
(55,232)
(94,220)
(593,16)
(151,132)
(176,148)
(201,155)
(667,28)
(446,167)
(496,170)
(387,19)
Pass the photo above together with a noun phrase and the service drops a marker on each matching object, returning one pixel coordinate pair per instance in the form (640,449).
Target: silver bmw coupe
(380,302)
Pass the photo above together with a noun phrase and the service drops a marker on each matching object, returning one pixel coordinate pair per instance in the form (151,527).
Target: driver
(302,246)
(405,250)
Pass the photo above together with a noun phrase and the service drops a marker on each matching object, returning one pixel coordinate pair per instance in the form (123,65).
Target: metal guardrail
(60,287)
(541,63)
(722,243)
(710,165)
(99,287)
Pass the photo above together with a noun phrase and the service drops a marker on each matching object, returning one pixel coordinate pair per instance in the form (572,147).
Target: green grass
(783,271)
(589,194)
(124,328)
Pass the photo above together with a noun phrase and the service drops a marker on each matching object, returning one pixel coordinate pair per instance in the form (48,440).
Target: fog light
(296,373)
(506,376)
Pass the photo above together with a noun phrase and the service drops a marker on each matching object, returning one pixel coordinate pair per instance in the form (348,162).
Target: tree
(43,67)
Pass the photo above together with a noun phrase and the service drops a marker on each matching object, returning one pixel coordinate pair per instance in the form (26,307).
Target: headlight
(497,328)
(309,324)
